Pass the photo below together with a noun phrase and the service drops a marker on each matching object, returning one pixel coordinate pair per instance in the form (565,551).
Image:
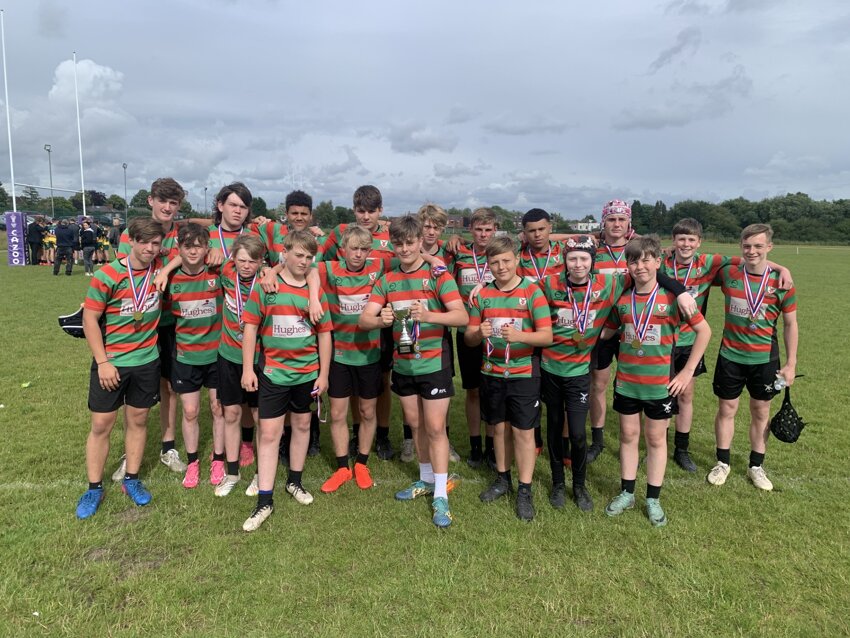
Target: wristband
(100,363)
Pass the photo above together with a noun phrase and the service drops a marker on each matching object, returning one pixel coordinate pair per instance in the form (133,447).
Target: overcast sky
(560,105)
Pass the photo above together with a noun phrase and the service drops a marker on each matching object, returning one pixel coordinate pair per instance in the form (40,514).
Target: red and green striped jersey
(196,305)
(697,278)
(348,292)
(469,266)
(525,308)
(539,265)
(746,340)
(217,234)
(272,234)
(569,354)
(168,252)
(285,333)
(230,343)
(644,372)
(382,248)
(110,293)
(610,260)
(401,289)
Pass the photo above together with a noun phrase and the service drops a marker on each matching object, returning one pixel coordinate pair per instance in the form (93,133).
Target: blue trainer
(417,488)
(442,515)
(89,502)
(136,491)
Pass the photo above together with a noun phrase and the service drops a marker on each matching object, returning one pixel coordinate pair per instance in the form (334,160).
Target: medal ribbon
(641,322)
(140,293)
(240,302)
(755,304)
(540,275)
(481,272)
(615,258)
(580,316)
(224,248)
(687,274)
(490,348)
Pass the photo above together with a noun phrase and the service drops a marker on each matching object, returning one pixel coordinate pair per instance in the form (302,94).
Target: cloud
(689,103)
(413,139)
(514,125)
(688,7)
(781,165)
(351,164)
(96,83)
(445,171)
(687,41)
(459,115)
(52,19)
(741,6)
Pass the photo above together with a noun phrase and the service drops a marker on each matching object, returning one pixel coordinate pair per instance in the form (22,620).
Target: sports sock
(723,455)
(538,437)
(342,462)
(597,436)
(475,446)
(440,485)
(96,486)
(488,443)
(167,445)
(681,440)
(627,485)
(382,432)
(294,478)
(426,473)
(524,487)
(233,468)
(218,456)
(191,457)
(362,458)
(131,477)
(756,459)
(355,429)
(653,491)
(408,432)
(247,434)
(265,497)
(506,475)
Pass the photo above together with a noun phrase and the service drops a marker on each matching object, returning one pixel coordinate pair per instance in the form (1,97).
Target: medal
(507,373)
(240,300)
(754,303)
(753,327)
(418,355)
(481,273)
(636,344)
(488,367)
(581,343)
(580,316)
(239,337)
(416,347)
(139,293)
(641,321)
(137,315)
(223,244)
(640,353)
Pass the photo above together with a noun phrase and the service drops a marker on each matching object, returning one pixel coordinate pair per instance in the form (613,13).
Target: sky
(558,105)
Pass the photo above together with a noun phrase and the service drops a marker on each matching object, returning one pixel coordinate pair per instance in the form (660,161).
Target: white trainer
(226,486)
(759,478)
(118,475)
(299,493)
(257,518)
(254,488)
(171,460)
(454,457)
(719,473)
(408,452)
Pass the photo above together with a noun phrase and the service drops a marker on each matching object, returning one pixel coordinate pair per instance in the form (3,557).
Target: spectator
(115,236)
(65,246)
(75,228)
(35,235)
(88,243)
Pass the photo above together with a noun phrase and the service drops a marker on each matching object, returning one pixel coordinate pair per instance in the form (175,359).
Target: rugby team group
(271,317)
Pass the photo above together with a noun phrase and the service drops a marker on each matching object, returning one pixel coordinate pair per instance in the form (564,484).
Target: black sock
(131,477)
(233,468)
(627,485)
(653,491)
(596,436)
(382,432)
(538,437)
(96,486)
(218,456)
(362,458)
(294,477)
(191,457)
(488,443)
(723,455)
(524,487)
(408,433)
(681,440)
(355,429)
(265,498)
(506,475)
(167,445)
(475,445)
(447,430)
(342,462)
(247,434)
(756,459)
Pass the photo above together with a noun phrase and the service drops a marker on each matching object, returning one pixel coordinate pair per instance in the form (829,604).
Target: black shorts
(187,378)
(730,379)
(658,409)
(138,388)
(680,358)
(276,400)
(567,394)
(514,401)
(603,353)
(470,359)
(387,348)
(366,382)
(167,342)
(230,390)
(436,385)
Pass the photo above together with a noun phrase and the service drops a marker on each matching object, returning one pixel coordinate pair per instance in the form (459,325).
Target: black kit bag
(786,424)
(73,324)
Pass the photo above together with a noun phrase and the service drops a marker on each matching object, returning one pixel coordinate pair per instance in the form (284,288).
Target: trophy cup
(405,341)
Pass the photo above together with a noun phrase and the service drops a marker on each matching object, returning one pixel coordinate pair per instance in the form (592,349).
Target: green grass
(732,561)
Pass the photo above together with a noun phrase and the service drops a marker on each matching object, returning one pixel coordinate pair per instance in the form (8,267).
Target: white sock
(440,481)
(426,472)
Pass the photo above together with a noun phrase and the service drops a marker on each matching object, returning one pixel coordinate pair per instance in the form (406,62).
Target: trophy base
(404,348)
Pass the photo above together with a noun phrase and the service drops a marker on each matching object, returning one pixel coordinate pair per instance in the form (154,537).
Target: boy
(239,276)
(299,216)
(649,317)
(356,368)
(749,352)
(421,369)
(125,364)
(291,373)
(196,304)
(512,317)
(696,271)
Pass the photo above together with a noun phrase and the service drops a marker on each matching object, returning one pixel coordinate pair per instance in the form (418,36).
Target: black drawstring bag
(73,324)
(786,424)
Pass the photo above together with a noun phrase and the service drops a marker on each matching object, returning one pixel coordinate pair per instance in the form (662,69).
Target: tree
(29,198)
(259,208)
(343,215)
(185,208)
(324,214)
(116,201)
(140,199)
(4,198)
(96,198)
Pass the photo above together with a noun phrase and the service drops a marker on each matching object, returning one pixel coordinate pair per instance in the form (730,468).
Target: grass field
(732,561)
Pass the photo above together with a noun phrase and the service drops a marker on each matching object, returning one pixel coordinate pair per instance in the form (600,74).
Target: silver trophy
(405,341)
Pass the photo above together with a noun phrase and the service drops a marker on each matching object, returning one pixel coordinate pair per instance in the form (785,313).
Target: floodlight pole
(126,201)
(49,150)
(205,200)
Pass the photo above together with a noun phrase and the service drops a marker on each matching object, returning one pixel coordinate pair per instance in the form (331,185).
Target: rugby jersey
(382,248)
(697,278)
(610,260)
(534,265)
(288,338)
(272,234)
(196,305)
(348,292)
(401,289)
(644,372)
(569,354)
(230,342)
(469,268)
(219,235)
(741,343)
(525,308)
(167,252)
(110,293)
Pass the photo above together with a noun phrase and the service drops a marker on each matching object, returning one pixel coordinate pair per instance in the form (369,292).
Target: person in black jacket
(88,242)
(65,246)
(35,235)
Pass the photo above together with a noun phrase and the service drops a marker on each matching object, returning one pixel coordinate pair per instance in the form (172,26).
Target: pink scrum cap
(616,207)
